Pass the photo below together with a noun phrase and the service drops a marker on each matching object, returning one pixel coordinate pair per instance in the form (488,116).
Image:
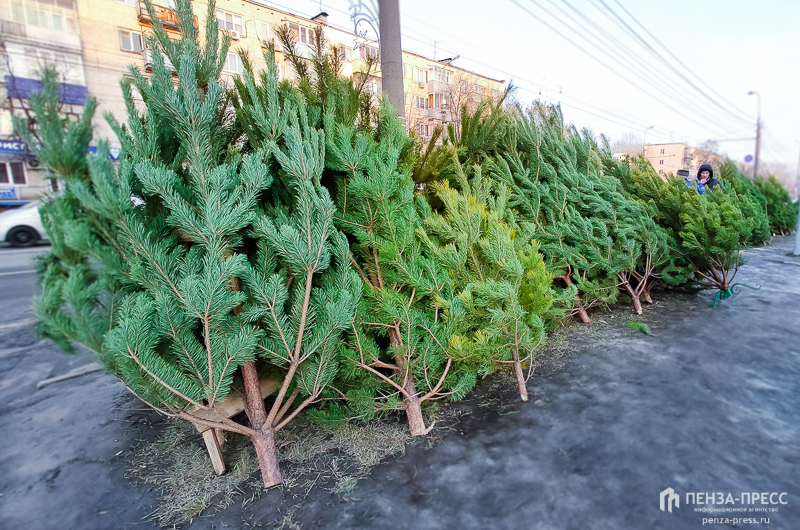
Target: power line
(629,121)
(661,58)
(626,79)
(621,115)
(655,86)
(629,124)
(655,77)
(681,63)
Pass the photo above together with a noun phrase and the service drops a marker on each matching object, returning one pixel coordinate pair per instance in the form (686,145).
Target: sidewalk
(708,404)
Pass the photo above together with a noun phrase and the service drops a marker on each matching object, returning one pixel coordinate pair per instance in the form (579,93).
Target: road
(17,282)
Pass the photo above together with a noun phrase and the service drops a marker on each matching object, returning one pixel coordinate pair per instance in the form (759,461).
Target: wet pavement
(707,405)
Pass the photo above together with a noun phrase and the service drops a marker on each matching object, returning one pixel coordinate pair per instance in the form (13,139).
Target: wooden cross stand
(231,406)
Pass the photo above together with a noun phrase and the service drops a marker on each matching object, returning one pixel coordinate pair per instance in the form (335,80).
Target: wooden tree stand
(233,405)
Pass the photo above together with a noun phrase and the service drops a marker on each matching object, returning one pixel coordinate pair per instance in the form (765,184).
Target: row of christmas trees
(297,232)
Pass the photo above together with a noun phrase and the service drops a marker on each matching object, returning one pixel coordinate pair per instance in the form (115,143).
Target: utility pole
(758,132)
(392,55)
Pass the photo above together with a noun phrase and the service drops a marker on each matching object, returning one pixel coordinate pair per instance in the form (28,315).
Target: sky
(684,67)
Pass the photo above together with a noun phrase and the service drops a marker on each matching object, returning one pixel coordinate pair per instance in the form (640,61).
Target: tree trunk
(646,293)
(264,444)
(523,390)
(581,310)
(264,439)
(416,422)
(637,304)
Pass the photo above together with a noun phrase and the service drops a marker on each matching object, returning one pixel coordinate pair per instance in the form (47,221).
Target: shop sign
(8,192)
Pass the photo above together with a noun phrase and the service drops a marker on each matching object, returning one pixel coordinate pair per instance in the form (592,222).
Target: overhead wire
(681,63)
(614,17)
(610,56)
(618,119)
(653,76)
(620,114)
(518,78)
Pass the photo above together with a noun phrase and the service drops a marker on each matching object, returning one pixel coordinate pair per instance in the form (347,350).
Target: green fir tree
(501,280)
(409,312)
(227,266)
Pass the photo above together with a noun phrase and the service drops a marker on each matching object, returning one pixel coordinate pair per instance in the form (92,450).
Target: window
(131,3)
(233,64)
(130,41)
(443,76)
(347,54)
(408,71)
(263,31)
(422,129)
(438,100)
(660,171)
(422,75)
(480,89)
(229,22)
(367,51)
(463,87)
(302,34)
(422,102)
(662,151)
(371,87)
(12,173)
(495,94)
(57,15)
(661,162)
(26,61)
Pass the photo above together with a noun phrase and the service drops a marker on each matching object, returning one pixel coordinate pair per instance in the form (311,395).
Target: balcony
(168,17)
(147,57)
(436,113)
(14,29)
(437,86)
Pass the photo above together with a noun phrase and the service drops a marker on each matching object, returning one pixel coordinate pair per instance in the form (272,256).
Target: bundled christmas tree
(592,236)
(221,267)
(648,242)
(751,201)
(502,283)
(781,211)
(409,312)
(769,196)
(706,232)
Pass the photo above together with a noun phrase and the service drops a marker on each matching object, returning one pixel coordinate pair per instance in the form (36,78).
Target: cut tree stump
(231,406)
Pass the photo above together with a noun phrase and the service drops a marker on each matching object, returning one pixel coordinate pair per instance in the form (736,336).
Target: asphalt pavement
(709,404)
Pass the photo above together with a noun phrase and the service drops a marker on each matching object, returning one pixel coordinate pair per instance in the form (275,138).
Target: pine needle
(641,326)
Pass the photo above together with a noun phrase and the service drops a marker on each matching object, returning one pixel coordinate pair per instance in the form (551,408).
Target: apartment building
(92,43)
(33,34)
(667,159)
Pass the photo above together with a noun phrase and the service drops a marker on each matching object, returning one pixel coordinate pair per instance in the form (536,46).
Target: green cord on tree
(724,294)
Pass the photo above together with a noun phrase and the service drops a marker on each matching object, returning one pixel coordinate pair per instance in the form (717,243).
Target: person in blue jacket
(705,176)
(701,189)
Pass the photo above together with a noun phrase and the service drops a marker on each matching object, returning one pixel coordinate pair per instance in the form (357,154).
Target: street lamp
(758,132)
(644,140)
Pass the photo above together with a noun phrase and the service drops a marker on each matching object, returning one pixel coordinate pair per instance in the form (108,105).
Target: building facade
(92,43)
(667,159)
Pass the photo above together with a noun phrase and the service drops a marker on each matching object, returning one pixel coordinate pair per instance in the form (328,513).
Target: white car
(22,227)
